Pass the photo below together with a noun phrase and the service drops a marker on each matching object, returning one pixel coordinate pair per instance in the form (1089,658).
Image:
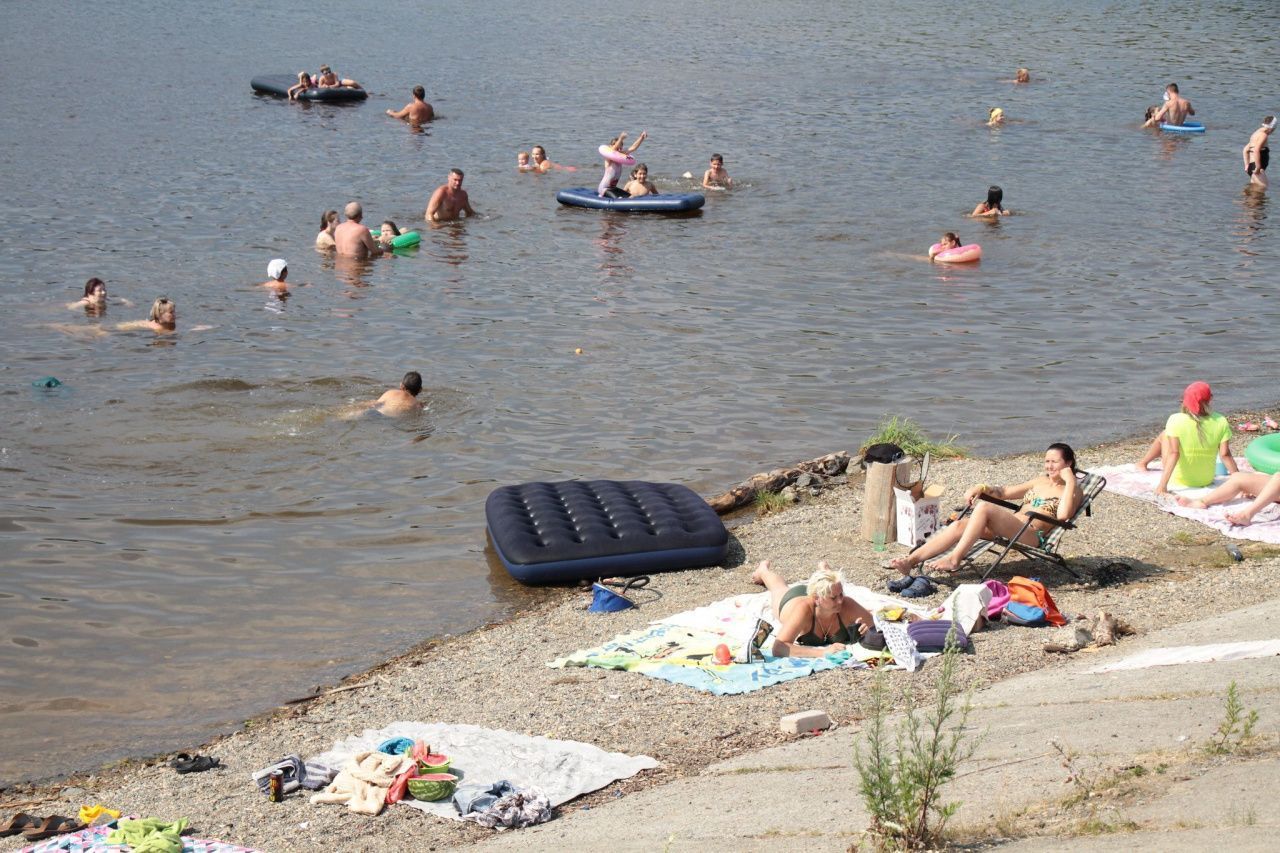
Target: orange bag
(1027,591)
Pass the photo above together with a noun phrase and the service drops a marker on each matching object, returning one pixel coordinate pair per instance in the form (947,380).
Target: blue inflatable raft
(576,530)
(279,85)
(660,203)
(1189,127)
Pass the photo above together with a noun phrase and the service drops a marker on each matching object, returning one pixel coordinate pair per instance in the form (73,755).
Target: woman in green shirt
(1192,442)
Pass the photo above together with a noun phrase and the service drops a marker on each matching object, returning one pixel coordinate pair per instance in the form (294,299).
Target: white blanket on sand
(1126,480)
(1193,654)
(562,769)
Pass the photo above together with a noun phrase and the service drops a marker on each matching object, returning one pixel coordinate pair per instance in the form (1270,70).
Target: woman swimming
(163,317)
(542,164)
(94,300)
(993,206)
(613,171)
(388,232)
(328,224)
(948,241)
(995,117)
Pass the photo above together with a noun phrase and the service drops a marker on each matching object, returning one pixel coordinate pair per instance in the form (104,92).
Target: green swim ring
(404,241)
(1263,453)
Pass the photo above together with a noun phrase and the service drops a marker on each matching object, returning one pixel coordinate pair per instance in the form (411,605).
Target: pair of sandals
(35,828)
(184,763)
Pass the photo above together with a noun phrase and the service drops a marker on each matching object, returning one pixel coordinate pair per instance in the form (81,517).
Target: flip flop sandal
(51,826)
(185,763)
(1270,424)
(1247,427)
(19,823)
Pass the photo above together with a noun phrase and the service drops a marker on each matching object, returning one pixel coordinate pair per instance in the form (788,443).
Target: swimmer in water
(1174,111)
(995,117)
(1022,76)
(450,201)
(993,206)
(1257,154)
(608,187)
(278,271)
(399,401)
(716,177)
(304,83)
(523,164)
(416,111)
(352,237)
(94,300)
(162,319)
(640,185)
(542,164)
(948,241)
(388,232)
(328,224)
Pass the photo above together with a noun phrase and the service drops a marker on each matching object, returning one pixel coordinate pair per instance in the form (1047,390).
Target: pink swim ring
(959,255)
(619,157)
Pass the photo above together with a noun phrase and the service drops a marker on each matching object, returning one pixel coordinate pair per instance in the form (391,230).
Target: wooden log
(779,478)
(878,511)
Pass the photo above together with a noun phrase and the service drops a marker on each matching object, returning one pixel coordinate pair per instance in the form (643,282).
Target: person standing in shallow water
(1257,154)
(450,201)
(352,238)
(1174,111)
(416,111)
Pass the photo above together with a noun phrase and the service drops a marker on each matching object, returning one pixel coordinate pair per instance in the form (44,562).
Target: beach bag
(1027,591)
(930,635)
(884,452)
(999,598)
(1030,616)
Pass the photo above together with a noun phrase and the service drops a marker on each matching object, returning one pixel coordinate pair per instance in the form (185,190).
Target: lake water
(188,534)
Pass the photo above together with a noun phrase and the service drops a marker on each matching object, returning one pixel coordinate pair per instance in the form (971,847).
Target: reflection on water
(188,516)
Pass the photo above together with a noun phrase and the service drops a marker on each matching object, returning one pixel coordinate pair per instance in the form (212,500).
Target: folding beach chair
(1091,485)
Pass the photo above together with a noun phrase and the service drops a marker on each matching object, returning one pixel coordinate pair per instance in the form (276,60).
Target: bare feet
(1190,504)
(1140,466)
(903,564)
(1240,519)
(943,566)
(756,576)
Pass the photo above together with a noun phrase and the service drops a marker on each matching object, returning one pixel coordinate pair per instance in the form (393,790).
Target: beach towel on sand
(680,647)
(1126,480)
(561,769)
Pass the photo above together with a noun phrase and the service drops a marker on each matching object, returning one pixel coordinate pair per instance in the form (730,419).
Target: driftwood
(831,465)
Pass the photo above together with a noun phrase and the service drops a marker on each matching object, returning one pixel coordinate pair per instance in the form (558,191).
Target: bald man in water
(352,238)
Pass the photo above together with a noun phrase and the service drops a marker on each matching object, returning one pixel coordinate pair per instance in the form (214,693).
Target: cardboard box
(918,510)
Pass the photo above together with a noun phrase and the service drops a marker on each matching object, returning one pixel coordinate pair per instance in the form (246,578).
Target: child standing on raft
(613,171)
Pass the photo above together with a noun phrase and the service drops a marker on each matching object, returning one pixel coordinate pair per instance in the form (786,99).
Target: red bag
(1027,591)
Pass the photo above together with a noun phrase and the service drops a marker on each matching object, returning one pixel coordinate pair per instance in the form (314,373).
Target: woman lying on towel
(1263,488)
(1056,494)
(817,618)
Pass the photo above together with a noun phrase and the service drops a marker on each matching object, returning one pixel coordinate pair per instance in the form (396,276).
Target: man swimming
(352,238)
(450,201)
(1257,154)
(417,111)
(1175,110)
(402,400)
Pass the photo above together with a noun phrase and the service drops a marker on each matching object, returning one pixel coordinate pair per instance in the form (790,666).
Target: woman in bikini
(993,206)
(816,618)
(1056,493)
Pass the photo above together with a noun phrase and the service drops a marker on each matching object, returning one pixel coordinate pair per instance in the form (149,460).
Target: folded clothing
(297,774)
(362,785)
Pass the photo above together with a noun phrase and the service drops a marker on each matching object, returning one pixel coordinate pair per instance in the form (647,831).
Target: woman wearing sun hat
(1192,441)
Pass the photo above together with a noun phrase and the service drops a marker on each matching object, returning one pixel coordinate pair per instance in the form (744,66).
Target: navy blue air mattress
(575,530)
(279,84)
(660,203)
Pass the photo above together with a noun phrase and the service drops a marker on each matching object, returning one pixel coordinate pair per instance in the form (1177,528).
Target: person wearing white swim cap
(1257,154)
(277,272)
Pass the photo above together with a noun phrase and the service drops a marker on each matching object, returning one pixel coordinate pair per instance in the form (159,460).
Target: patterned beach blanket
(681,647)
(1125,480)
(93,839)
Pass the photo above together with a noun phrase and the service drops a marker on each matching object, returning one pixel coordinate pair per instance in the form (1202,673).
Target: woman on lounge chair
(1056,493)
(816,618)
(1263,488)
(1189,443)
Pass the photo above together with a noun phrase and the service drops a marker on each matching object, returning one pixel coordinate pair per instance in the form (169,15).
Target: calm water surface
(187,532)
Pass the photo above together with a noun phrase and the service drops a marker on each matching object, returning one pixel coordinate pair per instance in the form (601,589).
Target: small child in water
(716,176)
(388,232)
(304,83)
(523,164)
(948,241)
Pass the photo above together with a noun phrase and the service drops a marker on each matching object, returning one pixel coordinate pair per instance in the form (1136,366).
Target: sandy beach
(497,676)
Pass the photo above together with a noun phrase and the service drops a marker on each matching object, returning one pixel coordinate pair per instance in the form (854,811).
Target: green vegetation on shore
(910,436)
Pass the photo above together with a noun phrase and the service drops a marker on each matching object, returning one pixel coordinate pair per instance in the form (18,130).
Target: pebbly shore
(1175,571)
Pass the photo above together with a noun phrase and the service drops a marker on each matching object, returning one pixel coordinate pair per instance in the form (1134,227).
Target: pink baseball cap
(1196,398)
